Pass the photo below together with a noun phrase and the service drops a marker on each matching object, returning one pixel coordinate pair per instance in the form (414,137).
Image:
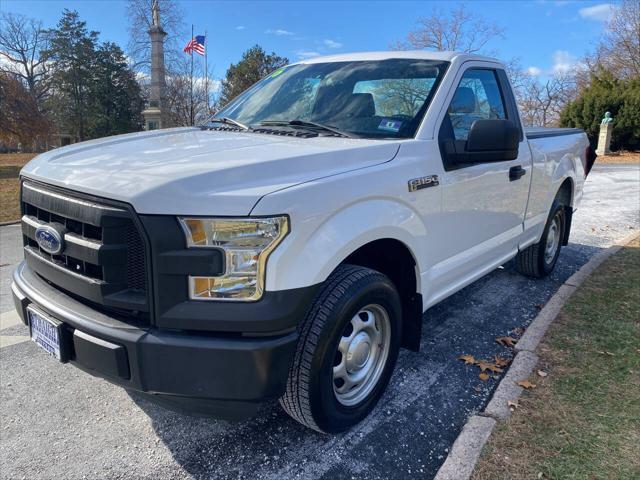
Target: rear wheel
(347,350)
(539,259)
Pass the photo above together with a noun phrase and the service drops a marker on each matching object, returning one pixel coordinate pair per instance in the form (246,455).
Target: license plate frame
(47,333)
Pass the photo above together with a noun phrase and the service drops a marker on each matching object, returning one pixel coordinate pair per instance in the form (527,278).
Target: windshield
(370,99)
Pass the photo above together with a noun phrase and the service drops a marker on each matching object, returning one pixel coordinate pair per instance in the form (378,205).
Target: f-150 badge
(423,182)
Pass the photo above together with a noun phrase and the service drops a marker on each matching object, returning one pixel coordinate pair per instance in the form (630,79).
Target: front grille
(103,259)
(136,264)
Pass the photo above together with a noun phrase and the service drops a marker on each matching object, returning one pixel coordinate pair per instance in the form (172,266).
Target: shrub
(605,93)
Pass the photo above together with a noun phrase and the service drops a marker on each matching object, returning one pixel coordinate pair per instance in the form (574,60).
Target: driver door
(483,203)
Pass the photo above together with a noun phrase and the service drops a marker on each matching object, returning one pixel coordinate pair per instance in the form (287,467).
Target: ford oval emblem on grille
(50,239)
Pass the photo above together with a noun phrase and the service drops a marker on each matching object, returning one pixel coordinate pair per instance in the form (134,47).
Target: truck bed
(542,132)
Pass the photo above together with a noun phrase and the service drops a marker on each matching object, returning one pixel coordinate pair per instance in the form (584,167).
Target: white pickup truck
(288,248)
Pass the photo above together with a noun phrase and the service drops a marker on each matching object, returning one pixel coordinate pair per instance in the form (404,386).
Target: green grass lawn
(582,421)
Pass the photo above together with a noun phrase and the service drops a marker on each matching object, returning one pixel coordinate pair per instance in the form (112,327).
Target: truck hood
(189,171)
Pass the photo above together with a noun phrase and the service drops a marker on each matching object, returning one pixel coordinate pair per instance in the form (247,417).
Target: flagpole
(206,71)
(191,119)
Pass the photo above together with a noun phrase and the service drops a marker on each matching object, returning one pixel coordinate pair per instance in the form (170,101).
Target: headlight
(246,242)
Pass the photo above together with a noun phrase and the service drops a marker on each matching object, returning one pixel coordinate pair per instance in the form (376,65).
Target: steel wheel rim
(361,355)
(553,240)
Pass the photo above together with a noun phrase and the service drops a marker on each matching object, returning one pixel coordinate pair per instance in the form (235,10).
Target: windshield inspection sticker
(390,125)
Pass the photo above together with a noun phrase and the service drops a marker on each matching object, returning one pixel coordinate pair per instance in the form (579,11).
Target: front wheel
(348,347)
(539,259)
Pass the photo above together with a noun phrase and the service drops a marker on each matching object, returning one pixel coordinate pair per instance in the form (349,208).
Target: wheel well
(394,259)
(565,197)
(565,192)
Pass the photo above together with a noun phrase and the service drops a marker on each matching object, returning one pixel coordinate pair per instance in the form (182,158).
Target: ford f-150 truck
(288,248)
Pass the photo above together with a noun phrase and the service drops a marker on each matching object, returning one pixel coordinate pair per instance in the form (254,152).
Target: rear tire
(539,259)
(347,350)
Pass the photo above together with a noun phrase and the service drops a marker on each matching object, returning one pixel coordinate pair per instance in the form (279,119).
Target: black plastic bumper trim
(104,357)
(214,375)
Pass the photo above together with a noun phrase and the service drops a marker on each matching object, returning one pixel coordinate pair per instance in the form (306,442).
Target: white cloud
(215,85)
(142,77)
(563,61)
(303,54)
(279,31)
(599,13)
(332,43)
(534,71)
(240,27)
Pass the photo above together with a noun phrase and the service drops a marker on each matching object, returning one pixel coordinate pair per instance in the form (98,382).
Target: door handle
(516,173)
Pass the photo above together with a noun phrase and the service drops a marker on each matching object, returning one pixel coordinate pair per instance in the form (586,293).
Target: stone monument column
(604,139)
(154,115)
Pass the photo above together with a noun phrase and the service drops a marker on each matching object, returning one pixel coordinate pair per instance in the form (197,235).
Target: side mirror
(492,141)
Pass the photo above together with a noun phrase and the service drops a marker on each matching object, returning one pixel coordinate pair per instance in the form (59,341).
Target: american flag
(197,44)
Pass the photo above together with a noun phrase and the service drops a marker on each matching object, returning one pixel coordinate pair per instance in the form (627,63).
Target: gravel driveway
(58,422)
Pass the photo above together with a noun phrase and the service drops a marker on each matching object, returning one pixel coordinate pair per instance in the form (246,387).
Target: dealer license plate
(45,331)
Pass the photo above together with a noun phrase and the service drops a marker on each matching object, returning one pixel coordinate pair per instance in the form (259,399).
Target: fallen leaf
(512,405)
(484,377)
(483,365)
(502,362)
(478,389)
(542,374)
(468,359)
(506,341)
(526,384)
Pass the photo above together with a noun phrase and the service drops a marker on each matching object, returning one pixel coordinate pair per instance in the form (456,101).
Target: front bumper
(224,375)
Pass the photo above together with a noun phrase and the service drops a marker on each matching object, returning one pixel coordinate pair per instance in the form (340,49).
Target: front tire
(539,259)
(347,350)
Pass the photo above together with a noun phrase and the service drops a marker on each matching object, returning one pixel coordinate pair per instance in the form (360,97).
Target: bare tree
(518,76)
(23,45)
(140,20)
(178,93)
(21,121)
(619,49)
(455,29)
(541,102)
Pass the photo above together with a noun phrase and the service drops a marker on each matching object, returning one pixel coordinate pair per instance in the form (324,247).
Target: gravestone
(604,139)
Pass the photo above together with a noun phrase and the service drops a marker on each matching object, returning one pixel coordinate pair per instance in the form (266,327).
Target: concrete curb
(13,222)
(536,330)
(466,450)
(508,388)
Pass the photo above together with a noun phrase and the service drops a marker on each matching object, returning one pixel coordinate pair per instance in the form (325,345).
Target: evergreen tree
(606,93)
(94,92)
(115,97)
(254,66)
(72,53)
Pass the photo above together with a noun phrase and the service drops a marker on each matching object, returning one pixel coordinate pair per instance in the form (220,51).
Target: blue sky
(546,35)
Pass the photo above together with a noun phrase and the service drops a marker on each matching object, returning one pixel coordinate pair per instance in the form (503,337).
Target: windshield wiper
(229,121)
(308,125)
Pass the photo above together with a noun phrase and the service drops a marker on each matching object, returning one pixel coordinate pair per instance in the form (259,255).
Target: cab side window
(478,97)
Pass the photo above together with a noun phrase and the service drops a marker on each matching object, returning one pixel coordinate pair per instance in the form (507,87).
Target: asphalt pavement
(58,422)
